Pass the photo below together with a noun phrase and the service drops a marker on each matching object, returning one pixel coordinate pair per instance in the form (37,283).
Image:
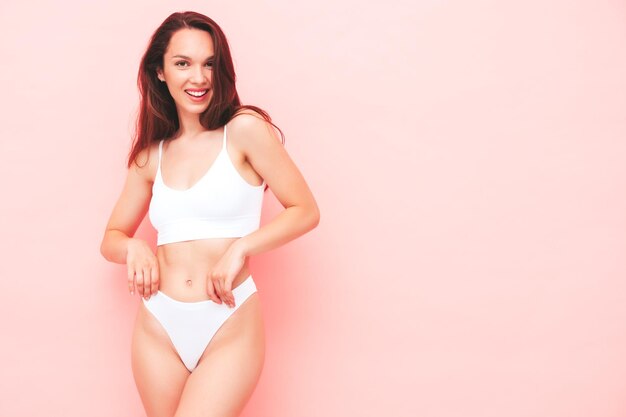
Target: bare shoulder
(248,131)
(245,117)
(146,162)
(265,152)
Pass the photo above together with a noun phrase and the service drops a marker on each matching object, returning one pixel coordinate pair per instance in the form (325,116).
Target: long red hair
(157,118)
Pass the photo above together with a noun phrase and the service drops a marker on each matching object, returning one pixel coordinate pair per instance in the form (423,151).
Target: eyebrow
(186,57)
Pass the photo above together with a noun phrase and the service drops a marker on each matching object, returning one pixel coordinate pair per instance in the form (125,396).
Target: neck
(189,125)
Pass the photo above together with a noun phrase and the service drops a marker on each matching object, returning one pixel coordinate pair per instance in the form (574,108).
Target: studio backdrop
(468,160)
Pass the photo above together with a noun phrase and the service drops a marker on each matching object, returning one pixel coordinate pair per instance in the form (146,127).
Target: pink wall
(468,160)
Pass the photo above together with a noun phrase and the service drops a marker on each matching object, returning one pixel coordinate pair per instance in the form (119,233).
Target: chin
(195,109)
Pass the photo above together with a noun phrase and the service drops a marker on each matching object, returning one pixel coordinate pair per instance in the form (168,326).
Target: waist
(186,267)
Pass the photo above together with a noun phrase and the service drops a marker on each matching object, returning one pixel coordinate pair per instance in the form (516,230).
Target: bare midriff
(185,267)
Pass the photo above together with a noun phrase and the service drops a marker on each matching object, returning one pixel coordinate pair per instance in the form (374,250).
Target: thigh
(159,373)
(230,367)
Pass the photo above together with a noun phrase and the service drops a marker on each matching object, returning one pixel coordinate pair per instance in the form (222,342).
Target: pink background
(468,159)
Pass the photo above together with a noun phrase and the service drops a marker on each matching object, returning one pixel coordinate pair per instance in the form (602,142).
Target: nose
(198,76)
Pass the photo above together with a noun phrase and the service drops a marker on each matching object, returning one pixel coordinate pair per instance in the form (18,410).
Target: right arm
(118,244)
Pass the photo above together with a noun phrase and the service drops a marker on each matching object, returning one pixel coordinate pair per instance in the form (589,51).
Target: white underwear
(191,325)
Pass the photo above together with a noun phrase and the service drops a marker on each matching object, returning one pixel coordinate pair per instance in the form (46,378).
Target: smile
(196,93)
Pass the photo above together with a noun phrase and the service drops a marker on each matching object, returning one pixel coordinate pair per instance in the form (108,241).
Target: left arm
(270,160)
(288,225)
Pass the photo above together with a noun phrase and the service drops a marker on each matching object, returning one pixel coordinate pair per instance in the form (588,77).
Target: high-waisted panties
(191,325)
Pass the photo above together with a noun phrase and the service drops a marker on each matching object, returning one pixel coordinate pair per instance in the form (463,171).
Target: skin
(206,269)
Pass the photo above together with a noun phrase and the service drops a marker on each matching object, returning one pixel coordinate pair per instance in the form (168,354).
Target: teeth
(197,93)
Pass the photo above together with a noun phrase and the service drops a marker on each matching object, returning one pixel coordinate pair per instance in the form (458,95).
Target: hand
(219,283)
(142,268)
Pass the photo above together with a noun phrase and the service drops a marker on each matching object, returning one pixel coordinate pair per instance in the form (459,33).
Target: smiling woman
(199,166)
(191,72)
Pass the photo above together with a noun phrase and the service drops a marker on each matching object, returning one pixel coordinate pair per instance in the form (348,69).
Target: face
(187,69)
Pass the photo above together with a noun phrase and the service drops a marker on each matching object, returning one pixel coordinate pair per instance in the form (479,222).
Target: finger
(228,293)
(139,282)
(215,293)
(154,273)
(211,292)
(217,283)
(131,281)
(229,300)
(147,282)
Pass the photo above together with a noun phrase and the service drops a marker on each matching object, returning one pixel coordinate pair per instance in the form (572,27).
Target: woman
(199,166)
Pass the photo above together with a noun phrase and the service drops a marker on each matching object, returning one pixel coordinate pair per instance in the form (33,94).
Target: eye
(210,64)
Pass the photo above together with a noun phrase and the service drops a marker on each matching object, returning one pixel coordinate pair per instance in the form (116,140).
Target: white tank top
(220,204)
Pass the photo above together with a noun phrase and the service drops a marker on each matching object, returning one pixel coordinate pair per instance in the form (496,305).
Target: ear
(160,74)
